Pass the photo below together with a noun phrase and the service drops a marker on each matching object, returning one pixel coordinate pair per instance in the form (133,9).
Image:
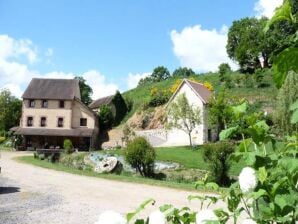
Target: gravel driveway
(30,194)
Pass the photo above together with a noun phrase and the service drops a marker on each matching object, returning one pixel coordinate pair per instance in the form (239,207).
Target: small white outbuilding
(198,96)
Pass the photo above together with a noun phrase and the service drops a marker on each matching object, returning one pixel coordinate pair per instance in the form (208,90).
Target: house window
(61,103)
(29,121)
(43,121)
(60,122)
(83,122)
(44,104)
(31,103)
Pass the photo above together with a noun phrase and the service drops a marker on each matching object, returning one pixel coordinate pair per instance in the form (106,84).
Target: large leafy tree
(10,112)
(183,72)
(184,116)
(85,89)
(160,73)
(246,43)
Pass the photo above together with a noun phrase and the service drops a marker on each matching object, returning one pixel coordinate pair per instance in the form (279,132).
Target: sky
(114,43)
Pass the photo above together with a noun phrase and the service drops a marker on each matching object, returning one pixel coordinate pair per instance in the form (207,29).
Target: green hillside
(243,86)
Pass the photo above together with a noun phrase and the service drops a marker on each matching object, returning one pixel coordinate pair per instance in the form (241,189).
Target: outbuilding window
(61,103)
(83,122)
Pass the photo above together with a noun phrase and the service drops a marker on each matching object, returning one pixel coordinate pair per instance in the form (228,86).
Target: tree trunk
(190,142)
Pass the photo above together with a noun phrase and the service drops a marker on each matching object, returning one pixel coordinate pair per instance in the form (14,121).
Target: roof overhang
(78,132)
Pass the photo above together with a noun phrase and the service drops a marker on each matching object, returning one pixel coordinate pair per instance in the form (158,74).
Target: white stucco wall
(177,137)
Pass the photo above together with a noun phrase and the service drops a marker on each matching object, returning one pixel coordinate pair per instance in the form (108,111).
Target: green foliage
(10,112)
(183,72)
(120,106)
(294,109)
(160,73)
(159,97)
(246,41)
(141,156)
(288,94)
(217,155)
(67,145)
(182,115)
(85,89)
(2,139)
(219,111)
(223,70)
(106,117)
(285,62)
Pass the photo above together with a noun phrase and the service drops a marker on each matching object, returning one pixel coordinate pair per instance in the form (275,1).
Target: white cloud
(133,79)
(15,75)
(99,84)
(12,49)
(266,7)
(201,49)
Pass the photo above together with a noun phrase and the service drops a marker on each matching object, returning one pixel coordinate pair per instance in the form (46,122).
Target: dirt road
(30,194)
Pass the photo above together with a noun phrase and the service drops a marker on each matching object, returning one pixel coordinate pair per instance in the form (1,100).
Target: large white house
(198,96)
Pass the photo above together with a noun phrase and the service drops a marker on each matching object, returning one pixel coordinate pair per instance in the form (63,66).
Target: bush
(2,139)
(106,117)
(67,145)
(159,97)
(217,154)
(141,155)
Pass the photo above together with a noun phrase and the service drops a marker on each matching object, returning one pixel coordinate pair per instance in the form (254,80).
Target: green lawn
(186,157)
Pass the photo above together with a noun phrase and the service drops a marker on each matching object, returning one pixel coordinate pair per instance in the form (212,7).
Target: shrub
(159,97)
(106,117)
(2,139)
(67,145)
(217,154)
(141,155)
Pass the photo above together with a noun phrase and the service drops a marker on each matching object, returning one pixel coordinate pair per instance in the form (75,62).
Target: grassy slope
(265,96)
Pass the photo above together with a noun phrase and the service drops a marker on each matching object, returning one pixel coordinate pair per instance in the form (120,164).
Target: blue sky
(114,40)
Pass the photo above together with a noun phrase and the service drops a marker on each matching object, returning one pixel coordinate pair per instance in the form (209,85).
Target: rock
(107,165)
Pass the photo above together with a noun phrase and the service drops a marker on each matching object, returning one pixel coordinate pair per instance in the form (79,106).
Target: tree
(183,72)
(246,43)
(184,116)
(85,89)
(106,117)
(141,156)
(10,112)
(223,70)
(160,73)
(120,106)
(287,95)
(219,111)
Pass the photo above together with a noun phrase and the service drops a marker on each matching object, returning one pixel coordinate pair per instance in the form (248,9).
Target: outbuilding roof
(60,89)
(102,101)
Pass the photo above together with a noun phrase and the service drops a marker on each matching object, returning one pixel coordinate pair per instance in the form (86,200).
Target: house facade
(52,111)
(198,96)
